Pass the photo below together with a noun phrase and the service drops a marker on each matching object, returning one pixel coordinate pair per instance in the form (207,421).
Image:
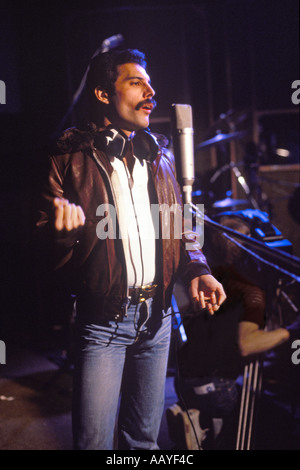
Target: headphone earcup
(145,146)
(111,142)
(115,144)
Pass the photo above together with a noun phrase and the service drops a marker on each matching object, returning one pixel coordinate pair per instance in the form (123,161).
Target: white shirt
(135,219)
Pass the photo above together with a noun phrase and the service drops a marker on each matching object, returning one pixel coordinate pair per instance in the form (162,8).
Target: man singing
(121,272)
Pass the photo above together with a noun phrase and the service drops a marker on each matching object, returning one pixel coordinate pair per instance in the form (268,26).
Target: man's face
(132,103)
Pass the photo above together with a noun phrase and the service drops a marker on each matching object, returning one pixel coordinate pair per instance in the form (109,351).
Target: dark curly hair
(103,73)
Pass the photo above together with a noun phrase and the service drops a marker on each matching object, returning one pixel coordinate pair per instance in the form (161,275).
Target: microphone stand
(253,372)
(290,262)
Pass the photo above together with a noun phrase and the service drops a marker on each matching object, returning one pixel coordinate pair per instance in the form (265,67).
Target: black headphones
(115,143)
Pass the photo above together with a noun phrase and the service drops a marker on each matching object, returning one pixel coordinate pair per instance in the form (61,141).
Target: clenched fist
(68,216)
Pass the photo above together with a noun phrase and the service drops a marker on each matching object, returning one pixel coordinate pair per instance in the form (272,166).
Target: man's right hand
(67,216)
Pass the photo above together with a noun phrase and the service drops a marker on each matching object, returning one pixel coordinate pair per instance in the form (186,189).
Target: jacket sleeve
(193,262)
(58,246)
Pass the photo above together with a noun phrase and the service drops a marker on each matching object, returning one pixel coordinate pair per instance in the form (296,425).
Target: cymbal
(229,202)
(221,138)
(231,117)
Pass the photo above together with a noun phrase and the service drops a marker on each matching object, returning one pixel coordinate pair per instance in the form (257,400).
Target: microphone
(183,133)
(111,43)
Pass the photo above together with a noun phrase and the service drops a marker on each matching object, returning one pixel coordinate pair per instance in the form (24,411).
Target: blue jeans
(121,367)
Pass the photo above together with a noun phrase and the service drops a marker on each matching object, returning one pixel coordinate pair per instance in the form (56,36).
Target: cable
(130,184)
(297,278)
(175,312)
(182,401)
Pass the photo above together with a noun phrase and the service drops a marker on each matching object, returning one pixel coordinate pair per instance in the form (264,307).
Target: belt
(140,294)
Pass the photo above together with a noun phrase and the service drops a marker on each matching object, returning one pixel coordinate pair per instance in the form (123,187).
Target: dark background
(236,56)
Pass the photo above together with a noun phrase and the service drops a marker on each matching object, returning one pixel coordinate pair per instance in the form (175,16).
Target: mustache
(148,101)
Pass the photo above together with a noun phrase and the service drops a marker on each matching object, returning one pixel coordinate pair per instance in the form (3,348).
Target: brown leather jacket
(81,174)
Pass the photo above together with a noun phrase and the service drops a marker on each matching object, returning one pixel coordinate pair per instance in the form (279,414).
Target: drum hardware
(229,202)
(253,371)
(251,391)
(261,228)
(241,180)
(225,128)
(221,138)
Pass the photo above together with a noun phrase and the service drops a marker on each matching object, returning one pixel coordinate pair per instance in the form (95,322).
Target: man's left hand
(206,292)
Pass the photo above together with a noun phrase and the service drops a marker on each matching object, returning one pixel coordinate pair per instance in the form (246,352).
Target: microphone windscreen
(183,143)
(182,116)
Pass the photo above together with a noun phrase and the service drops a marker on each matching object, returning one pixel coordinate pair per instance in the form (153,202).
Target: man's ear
(101,95)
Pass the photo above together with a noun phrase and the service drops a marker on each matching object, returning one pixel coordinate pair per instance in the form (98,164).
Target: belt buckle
(150,290)
(143,291)
(141,294)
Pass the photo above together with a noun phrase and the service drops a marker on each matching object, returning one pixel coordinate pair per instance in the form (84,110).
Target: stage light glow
(241,180)
(283,153)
